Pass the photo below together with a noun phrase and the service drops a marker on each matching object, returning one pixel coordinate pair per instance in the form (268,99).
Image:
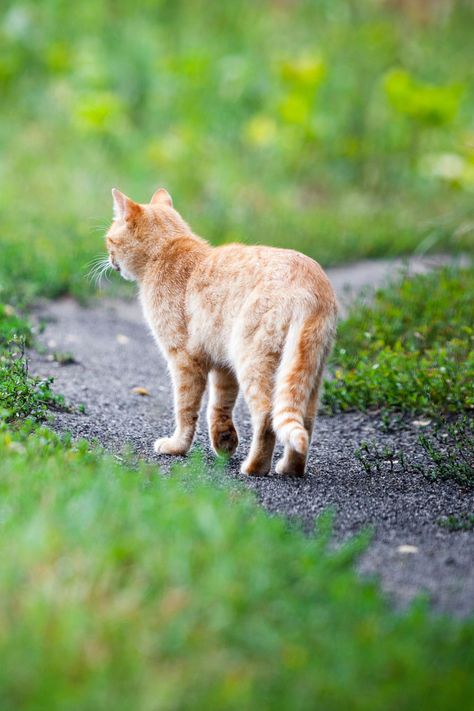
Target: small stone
(9,310)
(122,339)
(421,423)
(407,549)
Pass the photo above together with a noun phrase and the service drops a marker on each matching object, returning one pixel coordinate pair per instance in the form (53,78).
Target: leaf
(140,391)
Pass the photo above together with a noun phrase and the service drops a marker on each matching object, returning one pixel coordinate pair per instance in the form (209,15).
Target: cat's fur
(253,318)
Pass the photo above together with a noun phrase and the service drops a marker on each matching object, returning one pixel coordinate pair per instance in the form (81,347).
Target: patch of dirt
(114,355)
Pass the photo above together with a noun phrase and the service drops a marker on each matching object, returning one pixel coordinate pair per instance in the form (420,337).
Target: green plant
(12,324)
(451,450)
(375,459)
(458,523)
(64,358)
(22,395)
(409,349)
(426,104)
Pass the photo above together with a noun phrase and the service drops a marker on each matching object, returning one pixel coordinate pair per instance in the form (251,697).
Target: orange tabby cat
(255,318)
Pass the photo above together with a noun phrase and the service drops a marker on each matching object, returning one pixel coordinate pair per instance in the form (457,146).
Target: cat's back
(239,269)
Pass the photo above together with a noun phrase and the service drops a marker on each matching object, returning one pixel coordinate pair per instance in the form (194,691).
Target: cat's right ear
(124,207)
(163,196)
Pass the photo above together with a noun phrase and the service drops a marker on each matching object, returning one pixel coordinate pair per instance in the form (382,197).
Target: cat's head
(138,231)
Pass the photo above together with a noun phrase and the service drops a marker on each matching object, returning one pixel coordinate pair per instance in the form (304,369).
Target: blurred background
(344,128)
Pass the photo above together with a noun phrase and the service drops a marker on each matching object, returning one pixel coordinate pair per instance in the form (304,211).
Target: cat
(255,318)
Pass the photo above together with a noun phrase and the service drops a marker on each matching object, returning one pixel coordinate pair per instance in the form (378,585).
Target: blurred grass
(123,589)
(343,129)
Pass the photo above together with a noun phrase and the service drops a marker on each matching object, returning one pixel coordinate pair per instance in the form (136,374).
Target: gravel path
(114,353)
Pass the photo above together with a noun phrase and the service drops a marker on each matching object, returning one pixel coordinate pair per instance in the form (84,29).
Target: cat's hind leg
(223,391)
(256,378)
(189,378)
(292,463)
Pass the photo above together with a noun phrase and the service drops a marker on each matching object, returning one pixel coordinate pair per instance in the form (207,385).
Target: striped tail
(306,348)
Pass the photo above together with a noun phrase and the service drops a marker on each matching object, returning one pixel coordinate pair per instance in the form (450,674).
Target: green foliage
(12,325)
(126,589)
(21,395)
(458,523)
(375,459)
(341,129)
(449,447)
(410,349)
(451,450)
(424,103)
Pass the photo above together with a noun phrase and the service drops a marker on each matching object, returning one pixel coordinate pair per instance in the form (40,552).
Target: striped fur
(306,347)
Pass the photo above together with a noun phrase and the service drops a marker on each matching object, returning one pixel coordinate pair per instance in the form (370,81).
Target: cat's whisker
(101,273)
(94,268)
(100,266)
(98,258)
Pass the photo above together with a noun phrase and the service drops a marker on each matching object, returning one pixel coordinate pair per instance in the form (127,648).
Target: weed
(458,523)
(64,358)
(22,395)
(450,449)
(375,459)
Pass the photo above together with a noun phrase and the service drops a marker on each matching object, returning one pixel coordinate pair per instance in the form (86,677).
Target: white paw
(253,468)
(291,467)
(281,466)
(169,445)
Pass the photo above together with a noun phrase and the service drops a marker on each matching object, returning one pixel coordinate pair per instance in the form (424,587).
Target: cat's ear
(161,196)
(124,207)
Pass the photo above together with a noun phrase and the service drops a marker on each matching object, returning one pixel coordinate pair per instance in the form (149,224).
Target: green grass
(411,349)
(123,588)
(342,129)
(21,395)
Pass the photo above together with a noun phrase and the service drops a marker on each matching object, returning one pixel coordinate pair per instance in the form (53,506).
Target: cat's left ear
(124,207)
(161,196)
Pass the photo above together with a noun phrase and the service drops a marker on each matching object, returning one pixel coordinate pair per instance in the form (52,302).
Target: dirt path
(114,353)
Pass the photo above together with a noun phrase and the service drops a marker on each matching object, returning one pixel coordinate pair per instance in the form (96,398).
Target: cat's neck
(176,259)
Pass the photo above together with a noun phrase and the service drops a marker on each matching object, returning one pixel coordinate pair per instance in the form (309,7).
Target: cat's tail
(306,348)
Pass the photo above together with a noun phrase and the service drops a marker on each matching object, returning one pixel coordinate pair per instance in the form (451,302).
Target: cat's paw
(170,445)
(292,466)
(255,467)
(225,442)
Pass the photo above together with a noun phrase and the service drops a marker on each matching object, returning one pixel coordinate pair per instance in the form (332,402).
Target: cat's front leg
(189,377)
(223,391)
